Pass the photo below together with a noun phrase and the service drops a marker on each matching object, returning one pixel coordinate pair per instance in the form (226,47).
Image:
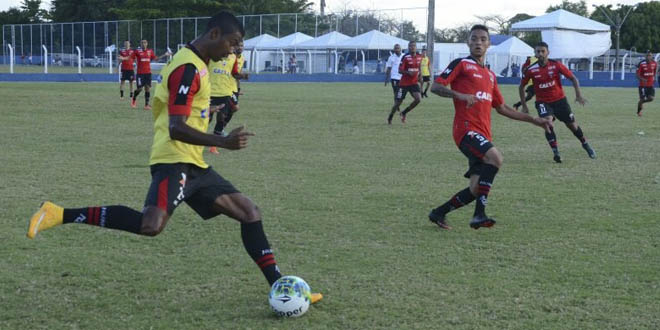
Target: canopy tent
(289,42)
(372,40)
(508,57)
(259,41)
(569,35)
(326,41)
(445,52)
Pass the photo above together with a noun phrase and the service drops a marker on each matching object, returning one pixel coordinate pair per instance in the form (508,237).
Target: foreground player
(474,90)
(426,73)
(646,72)
(410,74)
(179,173)
(550,99)
(144,56)
(127,73)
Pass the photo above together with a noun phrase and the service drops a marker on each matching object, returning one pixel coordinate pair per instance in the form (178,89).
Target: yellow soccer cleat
(316,297)
(49,215)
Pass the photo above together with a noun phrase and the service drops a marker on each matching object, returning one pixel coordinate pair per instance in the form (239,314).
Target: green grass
(344,199)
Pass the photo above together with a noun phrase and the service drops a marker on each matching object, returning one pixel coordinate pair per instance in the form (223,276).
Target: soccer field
(345,200)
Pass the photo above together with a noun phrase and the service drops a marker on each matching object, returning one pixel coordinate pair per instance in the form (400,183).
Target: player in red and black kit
(474,90)
(409,83)
(127,73)
(550,99)
(144,56)
(646,72)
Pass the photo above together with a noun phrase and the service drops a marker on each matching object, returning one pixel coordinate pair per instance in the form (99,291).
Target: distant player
(529,91)
(178,171)
(426,74)
(392,74)
(144,56)
(474,91)
(222,92)
(550,99)
(127,72)
(646,72)
(410,76)
(238,75)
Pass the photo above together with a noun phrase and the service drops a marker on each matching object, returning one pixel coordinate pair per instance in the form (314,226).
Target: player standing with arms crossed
(127,73)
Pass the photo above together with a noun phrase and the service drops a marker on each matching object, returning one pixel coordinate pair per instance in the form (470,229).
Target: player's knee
(252,213)
(152,225)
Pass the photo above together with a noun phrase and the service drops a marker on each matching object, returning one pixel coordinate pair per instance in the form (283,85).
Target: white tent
(259,41)
(289,42)
(372,40)
(511,51)
(445,52)
(569,35)
(326,41)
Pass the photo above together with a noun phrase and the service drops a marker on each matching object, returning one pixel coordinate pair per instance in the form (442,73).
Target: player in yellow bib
(425,66)
(178,171)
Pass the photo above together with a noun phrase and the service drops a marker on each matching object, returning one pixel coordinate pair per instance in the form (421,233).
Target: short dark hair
(226,22)
(542,44)
(480,27)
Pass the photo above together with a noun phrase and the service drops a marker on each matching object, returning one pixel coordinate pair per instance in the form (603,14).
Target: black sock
(220,121)
(256,245)
(405,111)
(131,95)
(578,134)
(146,97)
(552,140)
(121,93)
(136,93)
(486,178)
(115,217)
(517,104)
(462,198)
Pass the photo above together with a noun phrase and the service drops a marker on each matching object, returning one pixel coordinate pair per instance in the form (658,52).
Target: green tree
(579,7)
(83,10)
(640,29)
(13,16)
(532,37)
(33,12)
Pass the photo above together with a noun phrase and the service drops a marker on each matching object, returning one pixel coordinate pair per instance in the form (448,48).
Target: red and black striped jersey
(410,63)
(648,71)
(547,80)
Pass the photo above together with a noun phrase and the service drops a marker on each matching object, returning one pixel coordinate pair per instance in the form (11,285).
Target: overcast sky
(448,13)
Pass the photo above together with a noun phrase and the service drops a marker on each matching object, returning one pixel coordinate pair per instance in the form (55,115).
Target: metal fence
(95,39)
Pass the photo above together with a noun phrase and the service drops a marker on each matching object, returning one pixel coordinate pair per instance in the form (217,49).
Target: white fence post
(623,64)
(591,69)
(45,59)
(109,60)
(11,58)
(79,60)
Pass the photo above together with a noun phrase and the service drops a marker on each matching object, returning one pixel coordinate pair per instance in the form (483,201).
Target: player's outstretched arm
(180,131)
(387,75)
(442,90)
(578,93)
(507,111)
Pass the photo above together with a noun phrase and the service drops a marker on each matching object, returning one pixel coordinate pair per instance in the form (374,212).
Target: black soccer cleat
(439,220)
(590,151)
(482,220)
(557,158)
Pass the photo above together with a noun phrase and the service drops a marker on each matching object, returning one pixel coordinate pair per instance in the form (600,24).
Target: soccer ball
(290,296)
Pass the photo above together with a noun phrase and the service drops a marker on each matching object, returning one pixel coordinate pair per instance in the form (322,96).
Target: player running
(179,173)
(529,91)
(550,99)
(144,56)
(222,92)
(647,69)
(392,74)
(410,74)
(426,73)
(237,75)
(127,73)
(474,91)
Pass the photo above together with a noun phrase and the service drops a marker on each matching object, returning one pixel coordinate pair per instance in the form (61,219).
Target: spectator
(356,68)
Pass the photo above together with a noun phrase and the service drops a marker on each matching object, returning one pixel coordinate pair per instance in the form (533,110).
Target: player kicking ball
(474,91)
(550,99)
(178,171)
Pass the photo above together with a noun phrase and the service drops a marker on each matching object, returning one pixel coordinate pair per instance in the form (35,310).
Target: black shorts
(403,90)
(645,92)
(127,75)
(426,78)
(474,146)
(143,79)
(560,109)
(199,187)
(395,86)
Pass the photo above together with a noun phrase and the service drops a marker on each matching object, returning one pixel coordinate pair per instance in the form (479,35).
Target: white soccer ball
(290,296)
